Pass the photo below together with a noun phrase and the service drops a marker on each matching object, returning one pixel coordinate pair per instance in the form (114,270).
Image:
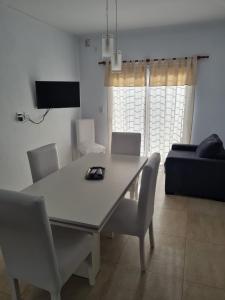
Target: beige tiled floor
(188,262)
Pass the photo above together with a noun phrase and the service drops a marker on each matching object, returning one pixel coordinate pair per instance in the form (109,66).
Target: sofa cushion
(210,147)
(181,154)
(221,154)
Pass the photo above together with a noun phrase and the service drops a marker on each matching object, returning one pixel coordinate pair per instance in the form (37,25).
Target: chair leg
(15,289)
(91,274)
(151,236)
(55,296)
(136,189)
(133,189)
(142,252)
(132,192)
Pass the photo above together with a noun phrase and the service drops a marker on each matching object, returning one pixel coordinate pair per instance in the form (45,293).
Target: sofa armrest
(198,164)
(184,147)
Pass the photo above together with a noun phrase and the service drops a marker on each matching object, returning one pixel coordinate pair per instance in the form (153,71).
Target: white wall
(164,42)
(29,51)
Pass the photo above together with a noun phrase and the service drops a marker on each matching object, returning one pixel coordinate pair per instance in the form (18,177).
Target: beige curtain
(155,99)
(171,103)
(132,74)
(173,72)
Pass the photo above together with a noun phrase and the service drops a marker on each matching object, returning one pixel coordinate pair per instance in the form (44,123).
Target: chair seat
(125,219)
(72,247)
(87,148)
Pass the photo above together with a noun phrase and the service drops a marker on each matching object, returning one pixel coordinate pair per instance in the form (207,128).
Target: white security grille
(128,113)
(155,112)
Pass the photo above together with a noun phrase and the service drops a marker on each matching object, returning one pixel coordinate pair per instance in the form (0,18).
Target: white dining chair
(135,218)
(43,161)
(33,251)
(85,131)
(127,143)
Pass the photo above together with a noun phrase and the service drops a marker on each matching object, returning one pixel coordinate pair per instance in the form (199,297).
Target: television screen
(57,94)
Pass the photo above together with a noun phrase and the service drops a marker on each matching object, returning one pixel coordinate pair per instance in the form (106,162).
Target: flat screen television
(57,94)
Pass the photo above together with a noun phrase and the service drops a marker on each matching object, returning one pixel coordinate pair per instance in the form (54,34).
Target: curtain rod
(155,59)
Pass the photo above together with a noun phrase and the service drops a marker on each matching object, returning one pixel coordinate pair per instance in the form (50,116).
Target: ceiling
(88,16)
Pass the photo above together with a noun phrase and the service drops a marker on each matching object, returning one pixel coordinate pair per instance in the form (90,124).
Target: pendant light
(107,39)
(116,58)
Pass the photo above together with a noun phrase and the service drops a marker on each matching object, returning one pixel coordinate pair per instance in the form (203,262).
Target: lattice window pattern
(155,112)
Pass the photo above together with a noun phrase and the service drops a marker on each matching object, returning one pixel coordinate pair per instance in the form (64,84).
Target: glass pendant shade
(116,61)
(107,46)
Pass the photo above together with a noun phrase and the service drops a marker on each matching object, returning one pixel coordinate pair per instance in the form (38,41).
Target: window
(155,99)
(128,113)
(155,112)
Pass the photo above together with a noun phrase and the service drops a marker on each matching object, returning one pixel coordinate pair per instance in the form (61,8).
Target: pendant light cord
(107,19)
(116,28)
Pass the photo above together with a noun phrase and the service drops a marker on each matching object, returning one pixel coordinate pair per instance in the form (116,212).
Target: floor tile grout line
(205,285)
(220,215)
(137,266)
(159,208)
(205,242)
(185,248)
(194,282)
(159,232)
(183,256)
(6,294)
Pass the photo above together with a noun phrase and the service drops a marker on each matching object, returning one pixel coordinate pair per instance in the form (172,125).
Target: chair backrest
(128,143)
(85,130)
(26,240)
(43,161)
(147,193)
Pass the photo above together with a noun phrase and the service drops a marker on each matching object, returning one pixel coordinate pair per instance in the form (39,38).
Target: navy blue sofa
(188,174)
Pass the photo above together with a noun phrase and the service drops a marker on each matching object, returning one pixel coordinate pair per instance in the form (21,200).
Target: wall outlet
(21,117)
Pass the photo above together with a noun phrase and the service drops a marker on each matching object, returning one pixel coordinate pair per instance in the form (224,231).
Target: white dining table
(73,201)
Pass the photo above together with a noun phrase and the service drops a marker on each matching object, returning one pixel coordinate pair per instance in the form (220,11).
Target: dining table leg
(96,256)
(82,271)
